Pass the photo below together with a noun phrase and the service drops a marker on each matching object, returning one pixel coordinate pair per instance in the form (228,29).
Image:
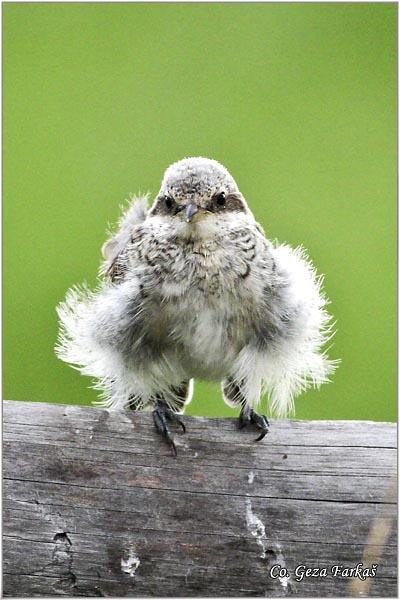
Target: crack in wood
(198,492)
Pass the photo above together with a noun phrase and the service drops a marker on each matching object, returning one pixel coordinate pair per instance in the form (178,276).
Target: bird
(191,289)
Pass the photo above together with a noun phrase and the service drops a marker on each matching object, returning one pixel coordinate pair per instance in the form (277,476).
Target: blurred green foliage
(297,100)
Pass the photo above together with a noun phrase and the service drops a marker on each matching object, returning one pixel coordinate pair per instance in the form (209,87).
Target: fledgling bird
(192,289)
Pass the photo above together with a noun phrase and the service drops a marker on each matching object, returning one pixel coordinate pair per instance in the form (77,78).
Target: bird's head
(195,189)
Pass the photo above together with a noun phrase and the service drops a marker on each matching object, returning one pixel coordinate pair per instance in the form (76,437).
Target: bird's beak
(190,210)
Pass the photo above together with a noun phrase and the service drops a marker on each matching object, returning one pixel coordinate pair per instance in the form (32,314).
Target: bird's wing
(115,247)
(287,354)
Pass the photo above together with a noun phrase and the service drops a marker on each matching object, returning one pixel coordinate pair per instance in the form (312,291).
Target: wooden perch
(96,505)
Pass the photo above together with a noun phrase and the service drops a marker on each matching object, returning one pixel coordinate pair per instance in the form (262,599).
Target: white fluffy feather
(290,365)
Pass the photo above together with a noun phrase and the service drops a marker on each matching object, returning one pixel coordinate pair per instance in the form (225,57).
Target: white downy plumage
(207,298)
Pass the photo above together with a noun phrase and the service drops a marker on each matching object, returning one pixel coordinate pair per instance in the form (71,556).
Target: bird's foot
(161,415)
(250,416)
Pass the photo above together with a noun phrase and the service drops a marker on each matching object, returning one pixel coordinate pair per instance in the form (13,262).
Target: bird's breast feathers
(220,260)
(210,290)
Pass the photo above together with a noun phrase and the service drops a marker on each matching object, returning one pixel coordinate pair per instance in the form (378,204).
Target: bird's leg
(161,415)
(248,415)
(233,395)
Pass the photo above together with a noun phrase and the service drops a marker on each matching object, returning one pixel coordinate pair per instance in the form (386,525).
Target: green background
(298,101)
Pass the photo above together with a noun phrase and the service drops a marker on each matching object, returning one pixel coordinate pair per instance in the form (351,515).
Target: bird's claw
(261,421)
(161,415)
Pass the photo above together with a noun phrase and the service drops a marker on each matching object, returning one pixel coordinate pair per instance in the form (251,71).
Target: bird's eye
(221,199)
(168,202)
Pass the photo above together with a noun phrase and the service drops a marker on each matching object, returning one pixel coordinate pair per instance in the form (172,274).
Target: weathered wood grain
(95,505)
